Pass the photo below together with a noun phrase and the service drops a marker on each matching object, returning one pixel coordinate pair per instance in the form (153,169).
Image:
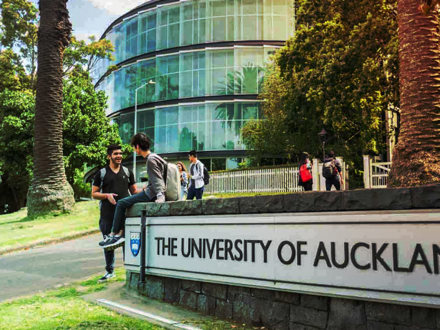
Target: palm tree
(49,189)
(416,158)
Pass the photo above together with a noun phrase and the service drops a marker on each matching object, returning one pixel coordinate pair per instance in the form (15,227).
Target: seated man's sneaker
(114,243)
(106,277)
(107,238)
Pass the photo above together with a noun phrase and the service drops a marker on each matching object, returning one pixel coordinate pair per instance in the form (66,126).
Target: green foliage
(16,141)
(87,130)
(339,72)
(19,26)
(87,133)
(82,55)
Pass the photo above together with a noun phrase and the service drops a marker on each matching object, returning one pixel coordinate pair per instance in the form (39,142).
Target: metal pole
(135,120)
(134,130)
(323,151)
(143,245)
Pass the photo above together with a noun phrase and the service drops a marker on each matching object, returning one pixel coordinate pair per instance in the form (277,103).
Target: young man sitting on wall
(155,190)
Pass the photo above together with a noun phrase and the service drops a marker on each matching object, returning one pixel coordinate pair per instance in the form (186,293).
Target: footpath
(46,267)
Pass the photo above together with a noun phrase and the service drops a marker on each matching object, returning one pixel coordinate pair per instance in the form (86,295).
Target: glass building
(192,69)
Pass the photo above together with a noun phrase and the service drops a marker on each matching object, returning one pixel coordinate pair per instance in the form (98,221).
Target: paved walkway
(27,272)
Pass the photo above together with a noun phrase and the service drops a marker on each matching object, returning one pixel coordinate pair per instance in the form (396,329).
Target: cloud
(116,7)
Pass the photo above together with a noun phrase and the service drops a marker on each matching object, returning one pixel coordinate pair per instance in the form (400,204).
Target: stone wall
(284,310)
(425,197)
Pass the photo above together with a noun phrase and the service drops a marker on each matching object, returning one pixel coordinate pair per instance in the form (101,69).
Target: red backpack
(304,173)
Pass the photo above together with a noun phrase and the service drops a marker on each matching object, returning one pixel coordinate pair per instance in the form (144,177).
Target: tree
(19,25)
(87,130)
(416,157)
(339,71)
(50,190)
(86,55)
(16,140)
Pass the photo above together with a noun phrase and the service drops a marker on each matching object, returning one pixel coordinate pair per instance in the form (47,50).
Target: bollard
(143,245)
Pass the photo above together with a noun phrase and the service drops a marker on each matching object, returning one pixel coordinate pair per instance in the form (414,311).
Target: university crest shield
(135,243)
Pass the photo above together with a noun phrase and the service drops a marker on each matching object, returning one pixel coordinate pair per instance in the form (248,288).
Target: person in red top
(305,172)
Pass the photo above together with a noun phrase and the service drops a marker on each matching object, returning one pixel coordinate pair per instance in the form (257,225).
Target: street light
(151,82)
(323,137)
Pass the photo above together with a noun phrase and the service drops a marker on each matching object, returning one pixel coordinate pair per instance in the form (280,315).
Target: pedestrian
(305,172)
(197,184)
(154,192)
(183,180)
(332,172)
(110,184)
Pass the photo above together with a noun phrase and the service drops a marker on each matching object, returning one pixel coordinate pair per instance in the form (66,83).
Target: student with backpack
(332,172)
(199,177)
(110,184)
(305,172)
(154,192)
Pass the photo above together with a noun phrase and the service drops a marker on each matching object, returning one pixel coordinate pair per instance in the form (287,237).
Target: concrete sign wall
(391,256)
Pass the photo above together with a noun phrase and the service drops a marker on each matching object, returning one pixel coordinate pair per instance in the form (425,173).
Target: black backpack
(205,175)
(329,169)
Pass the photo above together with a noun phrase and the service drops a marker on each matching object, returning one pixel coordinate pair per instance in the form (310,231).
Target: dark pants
(332,182)
(122,205)
(105,225)
(308,186)
(193,192)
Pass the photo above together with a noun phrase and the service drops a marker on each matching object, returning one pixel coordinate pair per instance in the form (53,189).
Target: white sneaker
(106,277)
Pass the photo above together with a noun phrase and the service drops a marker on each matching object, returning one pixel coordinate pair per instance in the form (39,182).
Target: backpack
(304,173)
(329,169)
(205,175)
(172,180)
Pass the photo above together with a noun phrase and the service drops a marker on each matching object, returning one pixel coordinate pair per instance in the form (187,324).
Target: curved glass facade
(197,67)
(188,23)
(235,71)
(201,126)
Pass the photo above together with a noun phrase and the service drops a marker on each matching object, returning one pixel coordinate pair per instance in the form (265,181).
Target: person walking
(110,184)
(197,184)
(305,172)
(183,180)
(332,172)
(154,192)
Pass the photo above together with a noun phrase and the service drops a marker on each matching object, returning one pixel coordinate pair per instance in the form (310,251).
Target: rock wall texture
(284,310)
(425,197)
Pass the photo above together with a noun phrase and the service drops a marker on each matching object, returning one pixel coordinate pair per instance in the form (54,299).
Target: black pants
(105,225)
(193,192)
(332,182)
(308,186)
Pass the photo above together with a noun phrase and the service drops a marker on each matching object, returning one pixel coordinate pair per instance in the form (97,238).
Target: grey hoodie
(156,171)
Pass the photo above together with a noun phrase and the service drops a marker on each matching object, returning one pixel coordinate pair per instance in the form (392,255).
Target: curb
(152,318)
(49,241)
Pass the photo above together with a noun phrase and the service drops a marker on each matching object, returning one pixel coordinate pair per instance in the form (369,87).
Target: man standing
(110,184)
(197,184)
(155,190)
(332,172)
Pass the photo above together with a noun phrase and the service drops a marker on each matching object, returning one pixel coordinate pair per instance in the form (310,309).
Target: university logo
(135,243)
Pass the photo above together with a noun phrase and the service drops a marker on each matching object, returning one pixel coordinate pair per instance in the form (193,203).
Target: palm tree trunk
(416,158)
(50,191)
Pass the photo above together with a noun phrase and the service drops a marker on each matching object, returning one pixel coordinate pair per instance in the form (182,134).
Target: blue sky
(92,17)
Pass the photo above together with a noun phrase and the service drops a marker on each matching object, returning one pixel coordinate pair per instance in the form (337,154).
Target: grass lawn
(65,309)
(17,230)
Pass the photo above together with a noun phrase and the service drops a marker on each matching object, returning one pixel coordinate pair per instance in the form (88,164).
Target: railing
(376,173)
(283,179)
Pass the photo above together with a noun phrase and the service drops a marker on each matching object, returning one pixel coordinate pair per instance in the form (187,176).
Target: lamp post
(323,137)
(151,82)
